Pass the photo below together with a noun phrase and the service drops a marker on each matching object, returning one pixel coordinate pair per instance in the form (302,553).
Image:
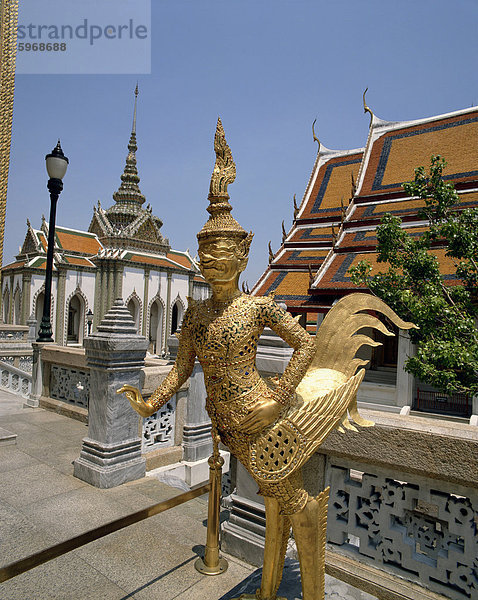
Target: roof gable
(395,154)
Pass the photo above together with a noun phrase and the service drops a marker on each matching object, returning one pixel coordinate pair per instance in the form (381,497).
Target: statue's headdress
(221,223)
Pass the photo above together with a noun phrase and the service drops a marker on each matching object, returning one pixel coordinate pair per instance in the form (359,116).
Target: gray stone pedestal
(197,441)
(111,454)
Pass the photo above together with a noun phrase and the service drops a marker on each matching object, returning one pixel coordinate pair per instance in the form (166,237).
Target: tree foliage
(447,341)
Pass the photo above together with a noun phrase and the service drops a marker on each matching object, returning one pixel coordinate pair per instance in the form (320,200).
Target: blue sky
(268,68)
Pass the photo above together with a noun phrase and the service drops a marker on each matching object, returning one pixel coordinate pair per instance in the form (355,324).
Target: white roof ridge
(379,123)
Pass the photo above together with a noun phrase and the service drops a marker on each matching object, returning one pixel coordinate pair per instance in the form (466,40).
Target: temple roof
(349,192)
(82,249)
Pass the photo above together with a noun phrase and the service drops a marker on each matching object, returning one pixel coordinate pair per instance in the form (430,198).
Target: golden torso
(224,337)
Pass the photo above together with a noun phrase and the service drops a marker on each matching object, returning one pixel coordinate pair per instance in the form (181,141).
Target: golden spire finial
(296,208)
(316,139)
(367,108)
(343,210)
(271,254)
(224,171)
(221,223)
(284,234)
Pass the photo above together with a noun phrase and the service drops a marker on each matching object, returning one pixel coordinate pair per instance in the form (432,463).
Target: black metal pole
(45,334)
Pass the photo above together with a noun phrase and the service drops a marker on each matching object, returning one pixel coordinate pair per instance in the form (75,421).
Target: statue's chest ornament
(226,342)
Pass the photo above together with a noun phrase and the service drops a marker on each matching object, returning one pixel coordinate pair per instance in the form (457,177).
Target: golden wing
(286,446)
(327,394)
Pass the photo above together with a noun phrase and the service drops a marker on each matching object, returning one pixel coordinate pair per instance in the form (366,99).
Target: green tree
(447,341)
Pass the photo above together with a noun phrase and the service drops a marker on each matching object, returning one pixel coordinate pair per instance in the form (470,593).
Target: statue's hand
(261,414)
(136,400)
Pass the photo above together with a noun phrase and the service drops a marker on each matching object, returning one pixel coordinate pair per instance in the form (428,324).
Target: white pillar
(405,381)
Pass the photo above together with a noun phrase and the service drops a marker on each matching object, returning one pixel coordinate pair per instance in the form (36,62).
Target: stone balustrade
(15,347)
(16,381)
(62,384)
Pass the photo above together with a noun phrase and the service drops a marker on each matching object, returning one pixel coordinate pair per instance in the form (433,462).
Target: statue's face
(220,260)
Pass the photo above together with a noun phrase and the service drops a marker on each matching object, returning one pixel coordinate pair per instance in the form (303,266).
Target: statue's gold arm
(179,374)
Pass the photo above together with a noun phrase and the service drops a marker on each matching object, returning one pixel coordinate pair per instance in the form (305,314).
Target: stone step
(376,406)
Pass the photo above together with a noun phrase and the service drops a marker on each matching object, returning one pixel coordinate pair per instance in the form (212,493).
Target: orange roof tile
(77,241)
(180,258)
(290,287)
(79,260)
(42,239)
(401,208)
(302,257)
(313,234)
(396,154)
(404,207)
(333,184)
(150,260)
(337,274)
(14,265)
(368,237)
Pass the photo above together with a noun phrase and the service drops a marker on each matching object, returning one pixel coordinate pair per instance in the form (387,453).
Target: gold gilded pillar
(8,51)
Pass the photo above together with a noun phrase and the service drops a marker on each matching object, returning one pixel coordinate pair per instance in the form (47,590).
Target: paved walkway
(41,504)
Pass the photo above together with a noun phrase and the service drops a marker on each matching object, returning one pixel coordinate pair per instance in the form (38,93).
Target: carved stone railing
(66,389)
(162,433)
(15,347)
(404,499)
(65,380)
(15,380)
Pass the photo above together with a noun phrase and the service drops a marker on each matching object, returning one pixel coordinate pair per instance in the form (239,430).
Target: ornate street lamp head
(56,163)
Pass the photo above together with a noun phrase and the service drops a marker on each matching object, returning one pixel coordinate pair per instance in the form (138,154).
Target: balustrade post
(111,454)
(37,376)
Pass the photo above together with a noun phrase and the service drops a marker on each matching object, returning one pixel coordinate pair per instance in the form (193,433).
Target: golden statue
(272,427)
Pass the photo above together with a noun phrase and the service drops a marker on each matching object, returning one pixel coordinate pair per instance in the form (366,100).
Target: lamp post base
(45,333)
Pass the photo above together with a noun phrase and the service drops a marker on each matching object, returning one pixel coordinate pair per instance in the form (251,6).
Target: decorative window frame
(157,298)
(77,292)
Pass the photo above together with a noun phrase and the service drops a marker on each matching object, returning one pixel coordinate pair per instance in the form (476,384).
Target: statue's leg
(309,527)
(277,535)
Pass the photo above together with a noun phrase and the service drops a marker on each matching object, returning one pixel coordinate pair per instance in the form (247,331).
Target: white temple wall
(83,281)
(133,281)
(180,287)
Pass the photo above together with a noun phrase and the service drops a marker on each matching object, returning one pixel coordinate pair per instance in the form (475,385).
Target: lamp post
(56,165)
(89,320)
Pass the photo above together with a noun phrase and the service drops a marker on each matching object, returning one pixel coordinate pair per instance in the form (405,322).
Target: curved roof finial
(316,139)
(296,208)
(366,109)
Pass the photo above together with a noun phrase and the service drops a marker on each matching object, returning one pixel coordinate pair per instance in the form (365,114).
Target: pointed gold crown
(221,223)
